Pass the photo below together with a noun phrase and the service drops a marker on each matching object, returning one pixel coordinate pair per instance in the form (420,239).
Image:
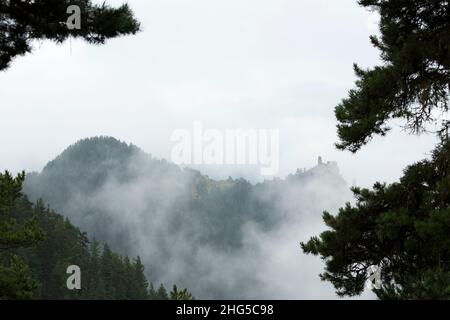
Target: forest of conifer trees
(37,245)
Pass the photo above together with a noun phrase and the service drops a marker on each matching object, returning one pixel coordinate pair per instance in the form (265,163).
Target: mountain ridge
(177,218)
(109,143)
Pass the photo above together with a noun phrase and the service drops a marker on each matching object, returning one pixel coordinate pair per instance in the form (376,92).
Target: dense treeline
(54,244)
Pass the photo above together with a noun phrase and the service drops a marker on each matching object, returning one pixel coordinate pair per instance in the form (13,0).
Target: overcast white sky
(280,64)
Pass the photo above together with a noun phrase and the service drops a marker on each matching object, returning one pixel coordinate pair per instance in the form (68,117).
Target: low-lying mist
(219,239)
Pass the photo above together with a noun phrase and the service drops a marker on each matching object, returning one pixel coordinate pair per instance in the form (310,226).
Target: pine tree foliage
(403,229)
(177,294)
(414,81)
(24,21)
(15,279)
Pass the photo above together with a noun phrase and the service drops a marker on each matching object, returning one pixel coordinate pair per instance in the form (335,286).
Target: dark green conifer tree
(15,279)
(177,294)
(402,229)
(23,21)
(413,82)
(162,293)
(140,289)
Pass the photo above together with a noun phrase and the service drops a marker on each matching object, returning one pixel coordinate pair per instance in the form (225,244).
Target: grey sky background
(268,64)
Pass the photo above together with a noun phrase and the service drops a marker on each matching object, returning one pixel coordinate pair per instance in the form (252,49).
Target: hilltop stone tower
(331,166)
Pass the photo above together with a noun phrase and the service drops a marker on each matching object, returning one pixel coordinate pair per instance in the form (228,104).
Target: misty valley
(202,150)
(216,238)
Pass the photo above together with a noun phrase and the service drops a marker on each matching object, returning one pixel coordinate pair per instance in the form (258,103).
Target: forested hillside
(53,244)
(188,229)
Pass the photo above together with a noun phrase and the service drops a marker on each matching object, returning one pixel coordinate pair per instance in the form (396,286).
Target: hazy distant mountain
(213,237)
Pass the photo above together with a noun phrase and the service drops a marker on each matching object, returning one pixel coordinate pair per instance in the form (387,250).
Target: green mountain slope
(188,228)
